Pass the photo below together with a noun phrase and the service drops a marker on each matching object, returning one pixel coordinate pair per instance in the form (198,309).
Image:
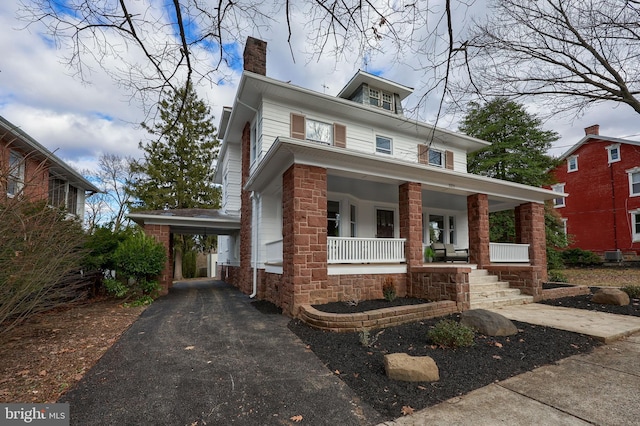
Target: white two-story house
(336,194)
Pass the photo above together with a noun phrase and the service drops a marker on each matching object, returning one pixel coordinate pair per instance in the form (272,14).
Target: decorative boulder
(488,323)
(611,296)
(409,368)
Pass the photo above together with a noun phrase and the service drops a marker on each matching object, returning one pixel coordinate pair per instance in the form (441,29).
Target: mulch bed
(367,305)
(462,370)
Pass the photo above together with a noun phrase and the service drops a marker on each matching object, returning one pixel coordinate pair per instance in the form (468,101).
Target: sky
(80,120)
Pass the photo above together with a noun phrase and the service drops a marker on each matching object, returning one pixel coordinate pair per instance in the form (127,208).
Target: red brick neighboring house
(337,194)
(29,169)
(601,177)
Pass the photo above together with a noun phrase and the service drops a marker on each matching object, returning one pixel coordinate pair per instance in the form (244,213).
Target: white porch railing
(274,252)
(365,250)
(505,252)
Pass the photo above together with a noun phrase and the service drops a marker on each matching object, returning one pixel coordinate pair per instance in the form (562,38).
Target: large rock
(409,368)
(488,323)
(611,296)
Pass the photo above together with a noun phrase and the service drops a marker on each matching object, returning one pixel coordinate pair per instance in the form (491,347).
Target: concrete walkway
(602,326)
(598,388)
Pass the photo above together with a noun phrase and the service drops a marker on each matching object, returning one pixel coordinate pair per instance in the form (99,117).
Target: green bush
(632,290)
(189,264)
(579,257)
(556,276)
(139,260)
(115,287)
(451,334)
(554,259)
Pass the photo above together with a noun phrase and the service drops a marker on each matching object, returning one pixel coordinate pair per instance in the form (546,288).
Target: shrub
(557,277)
(554,259)
(139,259)
(366,339)
(189,264)
(632,290)
(579,257)
(115,287)
(389,289)
(451,334)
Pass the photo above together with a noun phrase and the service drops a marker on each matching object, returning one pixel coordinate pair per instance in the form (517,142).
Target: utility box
(212,265)
(613,256)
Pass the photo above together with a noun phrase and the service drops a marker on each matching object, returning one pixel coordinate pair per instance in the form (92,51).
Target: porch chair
(453,254)
(440,253)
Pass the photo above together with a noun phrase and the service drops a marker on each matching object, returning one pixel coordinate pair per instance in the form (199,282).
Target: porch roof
(344,162)
(190,221)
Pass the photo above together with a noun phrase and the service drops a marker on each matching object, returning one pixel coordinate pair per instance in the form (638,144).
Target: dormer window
(381,99)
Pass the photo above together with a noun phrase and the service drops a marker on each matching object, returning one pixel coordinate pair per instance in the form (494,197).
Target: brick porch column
(304,239)
(478,217)
(162,234)
(530,229)
(410,199)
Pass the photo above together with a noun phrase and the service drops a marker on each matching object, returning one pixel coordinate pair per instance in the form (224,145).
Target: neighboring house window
(634,181)
(333,218)
(15,181)
(72,200)
(353,220)
(558,202)
(57,192)
(635,221)
(572,163)
(613,152)
(318,131)
(383,145)
(564,226)
(435,158)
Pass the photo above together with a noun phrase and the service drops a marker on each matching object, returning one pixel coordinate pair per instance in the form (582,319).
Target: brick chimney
(592,130)
(255,56)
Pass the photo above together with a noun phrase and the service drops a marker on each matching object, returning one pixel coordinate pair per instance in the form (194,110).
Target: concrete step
(493,294)
(488,286)
(498,302)
(481,279)
(478,272)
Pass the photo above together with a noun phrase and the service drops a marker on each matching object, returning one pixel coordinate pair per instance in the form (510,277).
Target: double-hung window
(384,145)
(318,131)
(634,182)
(558,202)
(613,153)
(572,163)
(436,158)
(635,223)
(15,181)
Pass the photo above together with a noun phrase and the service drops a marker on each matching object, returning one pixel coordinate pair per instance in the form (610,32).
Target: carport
(163,224)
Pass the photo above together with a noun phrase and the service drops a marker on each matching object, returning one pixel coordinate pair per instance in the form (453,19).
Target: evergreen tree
(518,143)
(177,170)
(518,154)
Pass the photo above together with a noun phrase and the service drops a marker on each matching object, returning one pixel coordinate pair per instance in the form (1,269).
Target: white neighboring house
(337,194)
(33,171)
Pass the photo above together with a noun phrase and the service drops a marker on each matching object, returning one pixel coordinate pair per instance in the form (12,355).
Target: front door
(384,224)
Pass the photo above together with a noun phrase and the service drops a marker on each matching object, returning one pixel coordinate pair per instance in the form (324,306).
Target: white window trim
(390,145)
(569,169)
(442,157)
(611,148)
(630,173)
(309,121)
(635,236)
(559,187)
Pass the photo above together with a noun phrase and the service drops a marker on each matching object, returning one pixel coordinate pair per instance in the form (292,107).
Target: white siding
(232,166)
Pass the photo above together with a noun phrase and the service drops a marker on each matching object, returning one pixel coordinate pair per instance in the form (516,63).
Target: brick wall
(444,283)
(304,207)
(162,234)
(410,200)
(244,278)
(478,214)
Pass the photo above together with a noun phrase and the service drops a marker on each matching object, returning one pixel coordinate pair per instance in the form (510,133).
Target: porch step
(485,291)
(507,301)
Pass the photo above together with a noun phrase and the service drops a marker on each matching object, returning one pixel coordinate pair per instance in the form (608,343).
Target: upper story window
(634,181)
(384,145)
(572,163)
(256,139)
(558,202)
(381,99)
(57,192)
(436,158)
(15,180)
(318,131)
(613,153)
(635,223)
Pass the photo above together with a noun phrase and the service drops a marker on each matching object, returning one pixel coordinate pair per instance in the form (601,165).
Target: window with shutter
(448,162)
(423,154)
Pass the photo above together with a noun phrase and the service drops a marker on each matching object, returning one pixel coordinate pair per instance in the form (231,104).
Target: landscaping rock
(488,323)
(409,368)
(611,296)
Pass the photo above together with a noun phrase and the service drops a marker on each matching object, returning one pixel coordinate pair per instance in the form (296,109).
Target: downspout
(254,242)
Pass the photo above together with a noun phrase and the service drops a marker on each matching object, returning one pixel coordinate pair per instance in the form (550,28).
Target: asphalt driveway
(204,355)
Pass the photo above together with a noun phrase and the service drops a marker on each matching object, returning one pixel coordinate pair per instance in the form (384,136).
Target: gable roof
(57,167)
(598,138)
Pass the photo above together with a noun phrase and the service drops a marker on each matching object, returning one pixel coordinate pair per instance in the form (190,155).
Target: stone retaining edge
(556,293)
(378,318)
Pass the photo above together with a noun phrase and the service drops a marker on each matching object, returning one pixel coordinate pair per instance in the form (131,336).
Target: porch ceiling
(190,221)
(354,165)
